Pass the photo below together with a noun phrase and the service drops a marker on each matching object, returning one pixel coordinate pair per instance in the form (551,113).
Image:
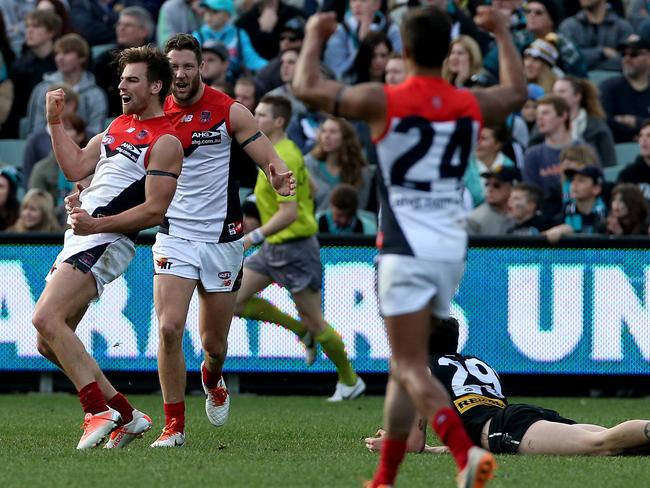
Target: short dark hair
(533,193)
(158,67)
(184,42)
(426,34)
(280,107)
(344,197)
(559,104)
(444,336)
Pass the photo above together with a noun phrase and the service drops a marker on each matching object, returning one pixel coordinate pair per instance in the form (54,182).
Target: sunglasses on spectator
(494,184)
(534,11)
(289,37)
(632,54)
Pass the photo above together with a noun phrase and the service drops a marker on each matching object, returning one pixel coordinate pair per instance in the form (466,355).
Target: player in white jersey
(200,243)
(425,130)
(135,163)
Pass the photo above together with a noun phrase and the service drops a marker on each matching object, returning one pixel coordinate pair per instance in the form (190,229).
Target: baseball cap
(225,5)
(635,42)
(216,47)
(295,24)
(506,174)
(593,172)
(543,50)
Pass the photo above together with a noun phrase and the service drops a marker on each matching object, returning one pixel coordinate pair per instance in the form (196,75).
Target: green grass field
(279,442)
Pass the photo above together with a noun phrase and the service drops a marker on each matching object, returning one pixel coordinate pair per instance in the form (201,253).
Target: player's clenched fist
(54,102)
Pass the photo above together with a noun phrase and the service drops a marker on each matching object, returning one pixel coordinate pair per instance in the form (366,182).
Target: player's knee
(171,334)
(44,323)
(44,348)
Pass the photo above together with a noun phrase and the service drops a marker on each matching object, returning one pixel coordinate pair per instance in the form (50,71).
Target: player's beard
(193,85)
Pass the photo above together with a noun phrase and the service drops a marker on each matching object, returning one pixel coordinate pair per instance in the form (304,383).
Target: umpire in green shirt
(290,255)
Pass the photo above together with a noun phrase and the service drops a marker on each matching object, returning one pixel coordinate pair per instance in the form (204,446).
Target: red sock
(175,413)
(91,398)
(449,427)
(210,379)
(122,405)
(392,453)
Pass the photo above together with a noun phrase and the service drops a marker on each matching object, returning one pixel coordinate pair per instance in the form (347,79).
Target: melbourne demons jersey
(474,387)
(118,182)
(206,204)
(431,130)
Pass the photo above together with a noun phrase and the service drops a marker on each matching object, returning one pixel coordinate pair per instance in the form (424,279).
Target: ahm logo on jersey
(129,150)
(206,137)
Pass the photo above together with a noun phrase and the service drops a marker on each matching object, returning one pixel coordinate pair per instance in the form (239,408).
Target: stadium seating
(611,172)
(23,128)
(626,152)
(11,151)
(596,76)
(95,51)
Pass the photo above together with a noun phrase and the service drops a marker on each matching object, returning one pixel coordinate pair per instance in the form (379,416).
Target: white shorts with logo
(406,284)
(217,265)
(106,256)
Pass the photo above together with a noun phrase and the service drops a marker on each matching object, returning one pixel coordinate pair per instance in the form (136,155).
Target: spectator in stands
(628,213)
(487,157)
(215,62)
(464,64)
(7,57)
(543,18)
(395,69)
(135,27)
(637,13)
(626,98)
(287,68)
(586,212)
(529,110)
(60,9)
(342,216)
(9,204)
(370,61)
(597,31)
(42,27)
(94,20)
(491,217)
(638,171)
(337,158)
(71,56)
(524,205)
(587,116)
(245,93)
(47,174)
(364,17)
(13,14)
(264,23)
(39,143)
(291,36)
(542,161)
(539,63)
(177,16)
(217,26)
(36,213)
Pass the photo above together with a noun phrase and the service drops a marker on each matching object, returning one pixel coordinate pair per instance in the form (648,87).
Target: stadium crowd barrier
(526,307)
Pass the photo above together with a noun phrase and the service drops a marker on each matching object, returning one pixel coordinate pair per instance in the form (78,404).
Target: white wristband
(256,236)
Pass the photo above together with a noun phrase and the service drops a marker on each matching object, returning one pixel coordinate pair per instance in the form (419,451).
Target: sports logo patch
(142,134)
(130,130)
(206,137)
(206,115)
(163,263)
(129,151)
(235,228)
(224,275)
(108,139)
(187,118)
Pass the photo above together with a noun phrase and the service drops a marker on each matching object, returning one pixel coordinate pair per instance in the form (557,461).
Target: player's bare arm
(76,163)
(165,163)
(365,101)
(260,149)
(498,101)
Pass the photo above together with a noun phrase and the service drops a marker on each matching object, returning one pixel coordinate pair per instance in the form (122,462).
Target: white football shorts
(217,265)
(406,284)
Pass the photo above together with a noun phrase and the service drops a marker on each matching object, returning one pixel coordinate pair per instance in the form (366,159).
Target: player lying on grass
(511,428)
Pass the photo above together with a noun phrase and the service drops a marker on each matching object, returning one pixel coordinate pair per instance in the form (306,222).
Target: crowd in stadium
(575,160)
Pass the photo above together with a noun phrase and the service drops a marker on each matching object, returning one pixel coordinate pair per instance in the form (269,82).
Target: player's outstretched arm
(260,149)
(498,101)
(76,163)
(165,162)
(365,101)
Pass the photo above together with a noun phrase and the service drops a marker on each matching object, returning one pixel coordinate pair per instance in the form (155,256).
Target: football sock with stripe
(333,346)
